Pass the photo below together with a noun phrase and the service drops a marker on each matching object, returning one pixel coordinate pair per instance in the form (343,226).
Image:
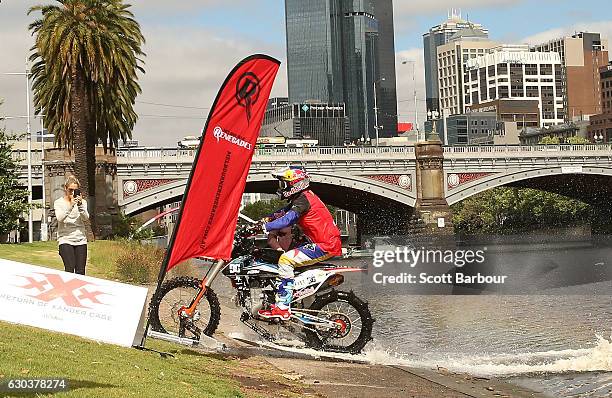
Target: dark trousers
(74,257)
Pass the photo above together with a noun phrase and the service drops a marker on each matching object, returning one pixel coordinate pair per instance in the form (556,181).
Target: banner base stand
(205,341)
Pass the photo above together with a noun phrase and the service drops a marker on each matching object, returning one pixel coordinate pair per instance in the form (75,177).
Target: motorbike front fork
(211,275)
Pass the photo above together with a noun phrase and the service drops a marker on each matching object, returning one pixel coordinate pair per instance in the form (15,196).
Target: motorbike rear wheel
(179,292)
(353,318)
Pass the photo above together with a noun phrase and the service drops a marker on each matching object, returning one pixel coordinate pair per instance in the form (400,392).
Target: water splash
(596,358)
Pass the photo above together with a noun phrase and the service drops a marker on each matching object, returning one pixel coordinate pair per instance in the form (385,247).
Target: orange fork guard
(189,311)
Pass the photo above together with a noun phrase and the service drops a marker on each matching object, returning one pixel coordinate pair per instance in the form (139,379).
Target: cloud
(420,7)
(185,65)
(603,27)
(188,73)
(406,86)
(406,12)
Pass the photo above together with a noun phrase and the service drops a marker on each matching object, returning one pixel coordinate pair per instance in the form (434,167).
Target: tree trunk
(84,151)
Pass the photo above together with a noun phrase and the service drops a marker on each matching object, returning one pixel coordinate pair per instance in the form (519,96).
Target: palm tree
(85,61)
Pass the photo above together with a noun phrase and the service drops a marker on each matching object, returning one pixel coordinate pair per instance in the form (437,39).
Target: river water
(549,328)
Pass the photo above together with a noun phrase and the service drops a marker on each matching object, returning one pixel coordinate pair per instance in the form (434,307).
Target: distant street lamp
(416,114)
(599,139)
(376,126)
(27,74)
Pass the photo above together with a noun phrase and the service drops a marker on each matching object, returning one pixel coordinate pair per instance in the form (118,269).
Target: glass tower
(387,93)
(333,57)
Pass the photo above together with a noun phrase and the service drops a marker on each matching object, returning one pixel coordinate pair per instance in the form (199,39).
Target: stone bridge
(383,185)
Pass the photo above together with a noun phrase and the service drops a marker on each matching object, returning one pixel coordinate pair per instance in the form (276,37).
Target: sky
(193,44)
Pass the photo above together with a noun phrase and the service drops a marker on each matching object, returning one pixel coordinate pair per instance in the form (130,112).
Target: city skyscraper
(387,93)
(437,36)
(336,52)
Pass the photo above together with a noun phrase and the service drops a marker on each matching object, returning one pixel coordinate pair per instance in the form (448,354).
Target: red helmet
(291,180)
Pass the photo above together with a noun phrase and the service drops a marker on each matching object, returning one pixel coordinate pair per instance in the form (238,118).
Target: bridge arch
(589,185)
(344,191)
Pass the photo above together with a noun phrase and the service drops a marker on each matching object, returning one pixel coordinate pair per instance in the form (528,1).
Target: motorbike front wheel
(179,292)
(353,318)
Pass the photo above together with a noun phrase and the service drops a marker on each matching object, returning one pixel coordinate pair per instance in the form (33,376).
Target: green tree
(13,197)
(549,140)
(515,210)
(85,62)
(263,208)
(576,140)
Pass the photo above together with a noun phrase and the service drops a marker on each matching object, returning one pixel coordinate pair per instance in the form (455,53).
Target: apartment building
(582,55)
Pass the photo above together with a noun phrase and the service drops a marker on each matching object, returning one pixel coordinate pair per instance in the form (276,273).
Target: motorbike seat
(299,270)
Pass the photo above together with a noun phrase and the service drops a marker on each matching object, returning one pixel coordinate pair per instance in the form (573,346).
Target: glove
(261,224)
(259,227)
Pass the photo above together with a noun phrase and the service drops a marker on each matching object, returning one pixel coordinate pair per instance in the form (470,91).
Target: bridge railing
(174,153)
(528,148)
(155,153)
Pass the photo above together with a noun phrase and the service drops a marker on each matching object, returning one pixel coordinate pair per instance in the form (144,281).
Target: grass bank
(102,370)
(102,256)
(115,260)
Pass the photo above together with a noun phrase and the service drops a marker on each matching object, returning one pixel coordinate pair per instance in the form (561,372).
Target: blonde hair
(71,180)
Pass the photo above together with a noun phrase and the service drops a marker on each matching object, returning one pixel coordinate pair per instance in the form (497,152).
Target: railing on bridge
(529,148)
(172,154)
(175,153)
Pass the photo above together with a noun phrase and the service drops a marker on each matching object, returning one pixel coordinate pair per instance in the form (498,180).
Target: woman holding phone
(71,213)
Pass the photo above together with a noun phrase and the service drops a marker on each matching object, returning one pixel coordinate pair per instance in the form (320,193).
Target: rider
(308,211)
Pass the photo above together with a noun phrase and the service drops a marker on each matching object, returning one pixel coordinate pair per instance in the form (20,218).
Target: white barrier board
(89,307)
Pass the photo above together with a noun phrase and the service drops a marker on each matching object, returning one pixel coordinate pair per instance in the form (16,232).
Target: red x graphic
(34,284)
(91,296)
(60,289)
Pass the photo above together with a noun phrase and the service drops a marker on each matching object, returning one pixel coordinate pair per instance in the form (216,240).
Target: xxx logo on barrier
(52,287)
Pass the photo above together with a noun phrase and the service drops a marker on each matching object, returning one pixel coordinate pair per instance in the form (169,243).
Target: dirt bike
(322,317)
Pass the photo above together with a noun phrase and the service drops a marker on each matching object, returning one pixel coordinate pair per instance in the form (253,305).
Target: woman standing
(71,214)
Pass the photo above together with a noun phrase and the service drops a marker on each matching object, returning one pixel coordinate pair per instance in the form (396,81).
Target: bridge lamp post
(598,138)
(27,74)
(376,126)
(433,116)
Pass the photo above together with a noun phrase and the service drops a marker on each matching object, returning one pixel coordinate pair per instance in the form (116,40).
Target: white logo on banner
(70,303)
(219,134)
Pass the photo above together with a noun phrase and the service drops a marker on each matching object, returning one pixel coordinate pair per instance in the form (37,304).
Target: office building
(525,113)
(600,129)
(452,57)
(437,36)
(386,89)
(512,73)
(326,123)
(336,52)
(582,54)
